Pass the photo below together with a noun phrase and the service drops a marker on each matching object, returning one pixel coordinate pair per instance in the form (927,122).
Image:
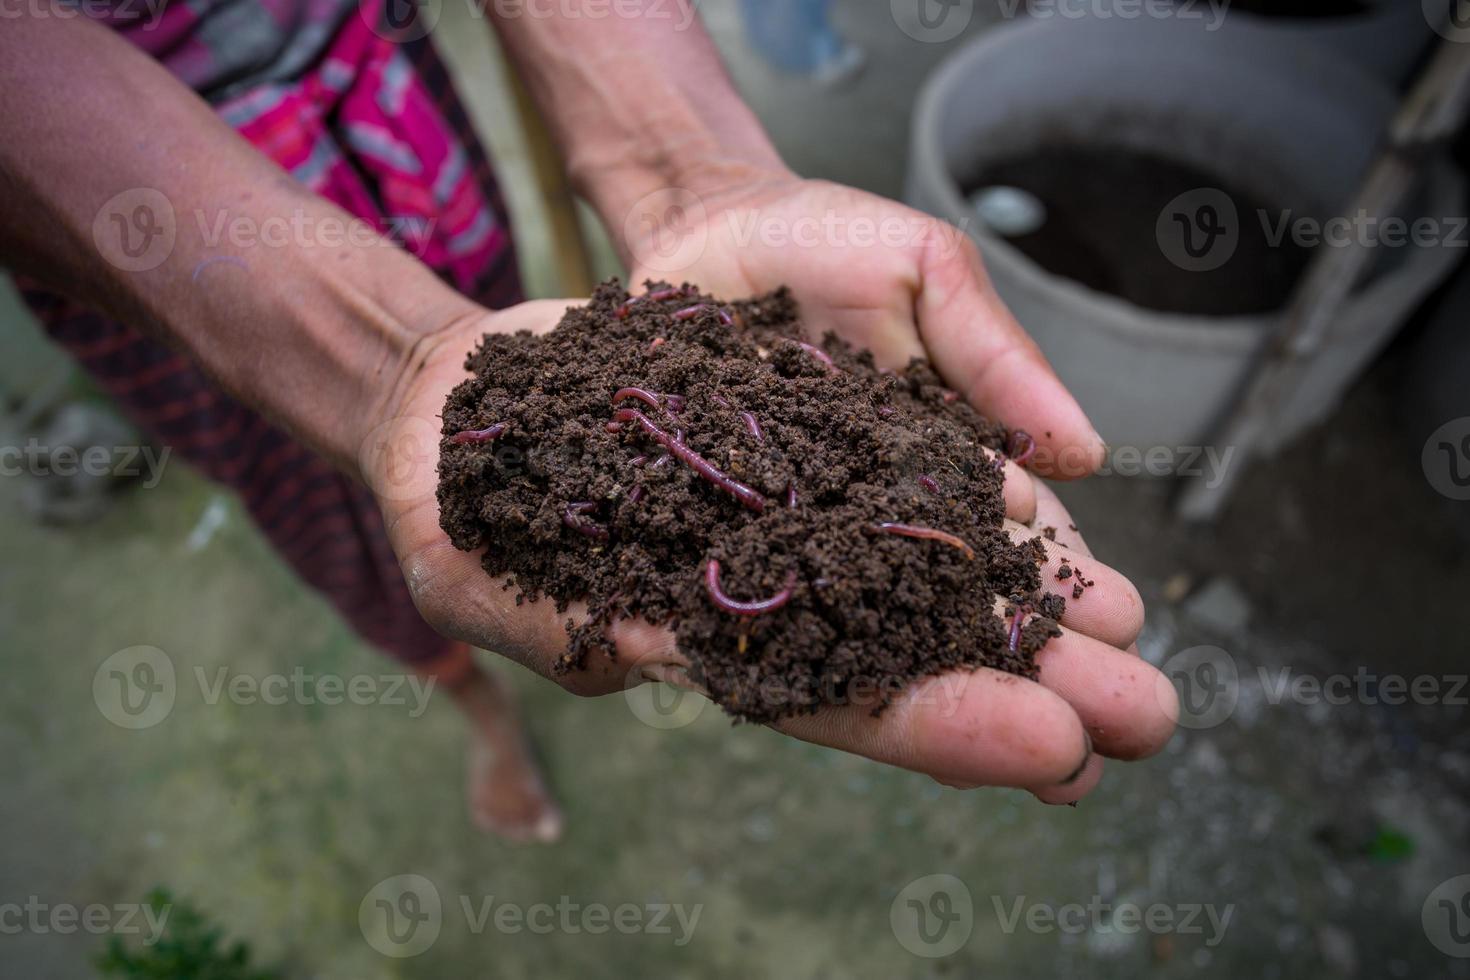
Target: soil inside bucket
(1102,207)
(814,530)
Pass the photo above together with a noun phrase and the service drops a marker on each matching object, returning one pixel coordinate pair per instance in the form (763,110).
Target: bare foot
(507,793)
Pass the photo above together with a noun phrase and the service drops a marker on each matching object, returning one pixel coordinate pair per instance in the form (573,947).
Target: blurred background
(1145,179)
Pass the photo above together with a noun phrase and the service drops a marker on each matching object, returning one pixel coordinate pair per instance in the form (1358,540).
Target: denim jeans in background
(795,35)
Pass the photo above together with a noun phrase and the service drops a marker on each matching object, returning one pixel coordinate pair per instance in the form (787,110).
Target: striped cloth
(373,125)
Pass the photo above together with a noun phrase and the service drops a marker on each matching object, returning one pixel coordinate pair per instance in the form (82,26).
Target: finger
(1116,694)
(537,315)
(981,350)
(1050,512)
(1019,489)
(1072,792)
(1110,609)
(452,591)
(967,728)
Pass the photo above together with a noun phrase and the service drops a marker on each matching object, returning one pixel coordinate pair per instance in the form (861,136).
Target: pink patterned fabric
(374,126)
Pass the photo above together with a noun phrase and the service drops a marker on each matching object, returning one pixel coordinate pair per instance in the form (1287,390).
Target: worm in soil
(656,296)
(748,496)
(753,425)
(473,436)
(572,518)
(755,608)
(927,533)
(819,354)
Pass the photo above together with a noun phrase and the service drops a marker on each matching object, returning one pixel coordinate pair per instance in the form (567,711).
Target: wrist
(651,212)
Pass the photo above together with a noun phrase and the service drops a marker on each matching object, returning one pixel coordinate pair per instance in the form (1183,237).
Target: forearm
(637,103)
(311,329)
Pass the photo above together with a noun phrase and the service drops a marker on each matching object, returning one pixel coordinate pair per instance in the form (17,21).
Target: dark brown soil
(1102,205)
(569,510)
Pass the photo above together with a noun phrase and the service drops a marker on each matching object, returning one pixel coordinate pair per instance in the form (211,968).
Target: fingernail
(1086,758)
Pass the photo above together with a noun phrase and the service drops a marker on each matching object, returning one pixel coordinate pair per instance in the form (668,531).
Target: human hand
(965,728)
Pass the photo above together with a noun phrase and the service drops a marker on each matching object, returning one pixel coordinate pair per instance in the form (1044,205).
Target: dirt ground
(1291,838)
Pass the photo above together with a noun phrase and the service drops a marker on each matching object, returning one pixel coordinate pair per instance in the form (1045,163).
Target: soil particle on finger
(814,530)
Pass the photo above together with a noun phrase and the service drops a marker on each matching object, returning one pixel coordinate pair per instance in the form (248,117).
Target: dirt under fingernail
(794,539)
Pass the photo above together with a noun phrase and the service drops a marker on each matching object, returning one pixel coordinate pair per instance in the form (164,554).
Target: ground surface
(1320,829)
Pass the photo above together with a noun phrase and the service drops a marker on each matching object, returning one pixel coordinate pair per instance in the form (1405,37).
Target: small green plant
(190,948)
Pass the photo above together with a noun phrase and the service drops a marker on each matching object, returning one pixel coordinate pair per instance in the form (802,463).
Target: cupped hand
(967,728)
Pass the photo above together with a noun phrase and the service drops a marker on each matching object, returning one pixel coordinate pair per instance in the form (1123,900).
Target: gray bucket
(1288,123)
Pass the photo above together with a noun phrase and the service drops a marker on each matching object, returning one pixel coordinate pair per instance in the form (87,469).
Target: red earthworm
(720,400)
(884,411)
(719,598)
(636,494)
(656,343)
(642,394)
(928,483)
(748,496)
(663,460)
(1016,626)
(791,495)
(753,426)
(690,312)
(929,533)
(471,436)
(571,517)
(950,397)
(672,404)
(1027,446)
(819,354)
(613,427)
(656,296)
(638,460)
(724,316)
